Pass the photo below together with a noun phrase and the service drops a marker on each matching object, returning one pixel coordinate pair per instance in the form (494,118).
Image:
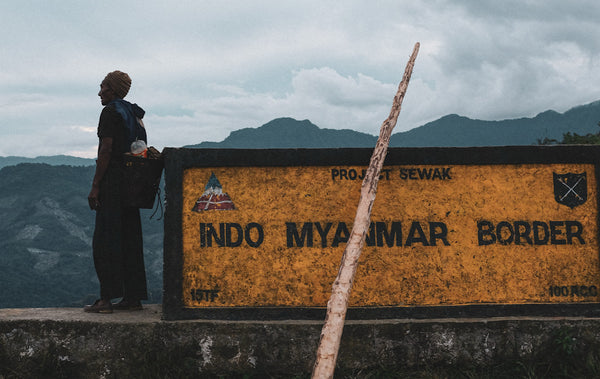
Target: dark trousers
(118,253)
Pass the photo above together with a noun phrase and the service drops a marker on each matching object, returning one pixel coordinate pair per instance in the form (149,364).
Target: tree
(573,139)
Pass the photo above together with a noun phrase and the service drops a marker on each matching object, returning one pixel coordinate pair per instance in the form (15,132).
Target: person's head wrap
(119,82)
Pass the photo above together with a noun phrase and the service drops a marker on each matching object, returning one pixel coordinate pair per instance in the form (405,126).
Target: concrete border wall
(70,343)
(498,280)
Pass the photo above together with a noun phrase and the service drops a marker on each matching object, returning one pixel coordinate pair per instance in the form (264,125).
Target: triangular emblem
(570,189)
(213,197)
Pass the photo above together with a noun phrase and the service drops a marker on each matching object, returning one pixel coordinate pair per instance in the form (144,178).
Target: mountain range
(448,131)
(46,226)
(45,238)
(54,160)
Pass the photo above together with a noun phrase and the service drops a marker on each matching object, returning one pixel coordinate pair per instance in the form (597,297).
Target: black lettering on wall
(574,230)
(380,234)
(416,235)
(341,235)
(485,233)
(395,233)
(438,231)
(556,232)
(208,233)
(295,239)
(335,173)
(541,233)
(231,235)
(573,290)
(204,295)
(260,234)
(522,233)
(385,174)
(530,233)
(323,232)
(354,174)
(504,233)
(421,173)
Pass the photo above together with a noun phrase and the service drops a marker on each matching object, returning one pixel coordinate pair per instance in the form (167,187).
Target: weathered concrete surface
(67,342)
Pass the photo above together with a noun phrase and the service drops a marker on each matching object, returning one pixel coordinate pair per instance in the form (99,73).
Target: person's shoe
(99,306)
(128,305)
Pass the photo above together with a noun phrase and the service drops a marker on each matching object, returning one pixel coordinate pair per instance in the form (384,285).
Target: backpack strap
(132,115)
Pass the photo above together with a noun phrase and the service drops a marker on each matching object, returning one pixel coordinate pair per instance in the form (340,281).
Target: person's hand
(93,198)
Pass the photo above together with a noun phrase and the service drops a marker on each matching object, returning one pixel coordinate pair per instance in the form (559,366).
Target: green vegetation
(45,238)
(574,139)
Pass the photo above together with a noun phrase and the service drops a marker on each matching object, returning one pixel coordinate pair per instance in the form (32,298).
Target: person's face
(106,94)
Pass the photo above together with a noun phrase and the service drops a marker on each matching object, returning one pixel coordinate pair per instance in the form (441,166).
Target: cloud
(495,60)
(322,95)
(204,69)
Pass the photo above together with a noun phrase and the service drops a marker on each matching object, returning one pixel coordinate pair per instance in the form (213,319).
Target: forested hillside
(45,238)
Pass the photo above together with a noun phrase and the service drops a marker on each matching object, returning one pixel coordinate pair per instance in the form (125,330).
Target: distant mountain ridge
(458,131)
(449,131)
(54,160)
(287,132)
(46,233)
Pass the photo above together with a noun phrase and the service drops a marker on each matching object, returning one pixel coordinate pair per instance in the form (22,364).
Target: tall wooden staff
(337,306)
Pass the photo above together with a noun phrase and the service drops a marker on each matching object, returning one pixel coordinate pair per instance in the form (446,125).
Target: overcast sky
(202,69)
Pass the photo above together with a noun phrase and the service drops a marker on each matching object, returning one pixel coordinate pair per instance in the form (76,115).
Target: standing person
(117,243)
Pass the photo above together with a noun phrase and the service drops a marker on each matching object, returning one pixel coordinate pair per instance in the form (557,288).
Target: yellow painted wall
(465,272)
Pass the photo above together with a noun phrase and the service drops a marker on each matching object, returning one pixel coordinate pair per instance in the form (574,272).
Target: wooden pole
(337,306)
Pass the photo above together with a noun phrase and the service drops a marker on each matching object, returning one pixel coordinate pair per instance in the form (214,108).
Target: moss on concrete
(141,345)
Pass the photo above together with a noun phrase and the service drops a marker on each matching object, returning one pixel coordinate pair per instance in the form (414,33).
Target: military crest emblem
(570,189)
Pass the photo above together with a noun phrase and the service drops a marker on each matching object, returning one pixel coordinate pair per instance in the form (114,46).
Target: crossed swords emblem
(567,194)
(570,189)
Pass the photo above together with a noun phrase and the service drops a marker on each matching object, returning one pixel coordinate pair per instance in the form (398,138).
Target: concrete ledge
(67,342)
